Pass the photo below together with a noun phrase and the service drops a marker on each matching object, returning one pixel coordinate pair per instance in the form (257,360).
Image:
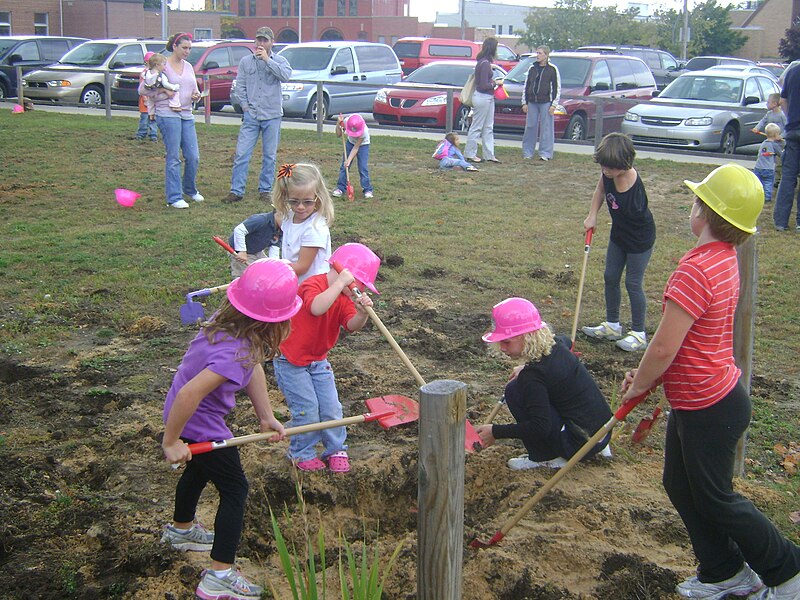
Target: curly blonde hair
(265,338)
(302,175)
(538,343)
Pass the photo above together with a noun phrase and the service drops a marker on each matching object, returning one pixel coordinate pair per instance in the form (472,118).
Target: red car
(406,104)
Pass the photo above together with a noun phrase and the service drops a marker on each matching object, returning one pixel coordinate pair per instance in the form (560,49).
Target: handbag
(468,90)
(500,92)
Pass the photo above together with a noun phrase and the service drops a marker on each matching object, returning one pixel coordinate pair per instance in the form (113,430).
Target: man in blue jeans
(258,86)
(790,103)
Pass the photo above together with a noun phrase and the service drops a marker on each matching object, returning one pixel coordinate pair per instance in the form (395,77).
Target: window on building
(394,40)
(286,8)
(499,30)
(241,4)
(274,8)
(202,33)
(340,6)
(381,39)
(353,8)
(510,30)
(252,8)
(5,23)
(40,26)
(320,8)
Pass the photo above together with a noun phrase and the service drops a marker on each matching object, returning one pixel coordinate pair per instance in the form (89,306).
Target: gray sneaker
(233,586)
(198,538)
(789,590)
(520,463)
(743,583)
(604,331)
(632,342)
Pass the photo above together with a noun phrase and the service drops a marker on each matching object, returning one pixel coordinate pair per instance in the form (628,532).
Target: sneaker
(604,331)
(338,462)
(781,228)
(337,193)
(233,586)
(368,196)
(785,591)
(744,582)
(606,452)
(521,463)
(198,197)
(544,158)
(632,342)
(179,204)
(153,139)
(231,198)
(197,539)
(312,464)
(265,197)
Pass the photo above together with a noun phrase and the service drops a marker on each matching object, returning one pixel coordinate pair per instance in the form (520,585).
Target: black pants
(725,528)
(224,469)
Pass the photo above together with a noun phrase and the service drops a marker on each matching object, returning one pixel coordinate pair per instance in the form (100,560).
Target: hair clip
(286,170)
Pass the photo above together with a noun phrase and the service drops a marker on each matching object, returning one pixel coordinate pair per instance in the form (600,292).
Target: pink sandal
(312,464)
(338,462)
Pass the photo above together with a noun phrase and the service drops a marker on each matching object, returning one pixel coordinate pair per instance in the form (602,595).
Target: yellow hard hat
(734,193)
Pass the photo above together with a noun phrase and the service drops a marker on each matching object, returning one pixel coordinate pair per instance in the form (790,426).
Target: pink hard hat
(18,108)
(147,56)
(362,262)
(355,125)
(513,317)
(266,291)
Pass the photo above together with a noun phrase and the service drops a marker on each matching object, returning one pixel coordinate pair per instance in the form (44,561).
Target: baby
(155,77)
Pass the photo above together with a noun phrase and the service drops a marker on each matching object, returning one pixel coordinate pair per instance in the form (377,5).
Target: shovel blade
(404,409)
(192,312)
(645,426)
(472,441)
(351,194)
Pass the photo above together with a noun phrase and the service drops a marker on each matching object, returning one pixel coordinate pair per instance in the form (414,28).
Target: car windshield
(308,59)
(5,45)
(441,75)
(572,70)
(704,87)
(89,54)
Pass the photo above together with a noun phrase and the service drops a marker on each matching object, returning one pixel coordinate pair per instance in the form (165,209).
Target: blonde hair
(156,59)
(302,175)
(538,344)
(264,338)
(772,129)
(774,97)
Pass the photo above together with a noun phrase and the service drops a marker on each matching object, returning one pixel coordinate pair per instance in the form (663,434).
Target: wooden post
(744,327)
(440,495)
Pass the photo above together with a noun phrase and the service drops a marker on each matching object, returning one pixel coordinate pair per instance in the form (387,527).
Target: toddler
(251,237)
(449,156)
(154,78)
(765,163)
(774,114)
(357,147)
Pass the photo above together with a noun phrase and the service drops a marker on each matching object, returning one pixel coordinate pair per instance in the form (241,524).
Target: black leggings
(224,469)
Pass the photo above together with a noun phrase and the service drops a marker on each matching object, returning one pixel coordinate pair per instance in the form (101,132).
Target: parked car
(661,63)
(336,64)
(744,69)
(29,52)
(415,52)
(723,107)
(219,59)
(701,63)
(405,104)
(61,83)
(583,74)
(776,69)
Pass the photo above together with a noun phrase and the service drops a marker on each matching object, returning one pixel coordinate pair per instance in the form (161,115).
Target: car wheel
(462,120)
(217,106)
(3,90)
(92,94)
(730,137)
(238,108)
(311,111)
(576,128)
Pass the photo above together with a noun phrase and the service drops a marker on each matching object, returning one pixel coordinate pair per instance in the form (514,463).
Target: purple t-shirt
(208,421)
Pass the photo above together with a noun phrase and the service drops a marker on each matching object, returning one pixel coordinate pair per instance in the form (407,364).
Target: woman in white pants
(482,127)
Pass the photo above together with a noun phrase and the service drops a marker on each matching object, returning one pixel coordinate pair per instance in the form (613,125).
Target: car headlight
(58,83)
(631,116)
(381,96)
(698,121)
(560,110)
(439,100)
(291,87)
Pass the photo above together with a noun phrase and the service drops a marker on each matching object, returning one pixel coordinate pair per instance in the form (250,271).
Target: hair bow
(286,170)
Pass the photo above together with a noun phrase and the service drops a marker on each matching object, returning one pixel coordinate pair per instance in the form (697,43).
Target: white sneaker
(198,197)
(744,582)
(606,452)
(337,193)
(789,590)
(632,342)
(604,331)
(523,462)
(368,195)
(179,204)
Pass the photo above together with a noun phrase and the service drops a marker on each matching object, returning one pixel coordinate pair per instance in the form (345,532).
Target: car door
(752,113)
(25,55)
(343,97)
(378,66)
(218,66)
(129,55)
(670,67)
(624,86)
(600,85)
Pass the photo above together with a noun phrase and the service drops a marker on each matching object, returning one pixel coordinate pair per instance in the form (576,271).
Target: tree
(789,46)
(711,31)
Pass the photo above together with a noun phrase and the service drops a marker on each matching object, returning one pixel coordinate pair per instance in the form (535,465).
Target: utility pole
(463,20)
(164,27)
(685,30)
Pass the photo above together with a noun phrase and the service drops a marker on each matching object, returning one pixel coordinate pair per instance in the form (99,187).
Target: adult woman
(539,101)
(555,402)
(177,128)
(482,127)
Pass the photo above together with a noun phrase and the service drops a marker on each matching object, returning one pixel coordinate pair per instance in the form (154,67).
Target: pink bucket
(126,197)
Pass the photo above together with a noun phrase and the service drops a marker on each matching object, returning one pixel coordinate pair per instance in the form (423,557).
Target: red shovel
(350,192)
(646,425)
(224,244)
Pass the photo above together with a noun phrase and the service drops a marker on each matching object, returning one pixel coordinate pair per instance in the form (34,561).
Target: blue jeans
(146,127)
(539,125)
(362,157)
(635,265)
(791,163)
(450,162)
(311,395)
(270,132)
(767,179)
(179,136)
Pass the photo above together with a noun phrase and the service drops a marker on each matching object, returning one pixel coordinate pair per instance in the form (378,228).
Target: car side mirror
(751,100)
(601,86)
(14,58)
(211,65)
(339,70)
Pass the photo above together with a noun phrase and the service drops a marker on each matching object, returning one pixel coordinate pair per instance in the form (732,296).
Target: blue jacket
(258,85)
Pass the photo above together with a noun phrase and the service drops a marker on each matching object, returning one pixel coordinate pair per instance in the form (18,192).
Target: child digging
(251,237)
(226,356)
(356,148)
(691,353)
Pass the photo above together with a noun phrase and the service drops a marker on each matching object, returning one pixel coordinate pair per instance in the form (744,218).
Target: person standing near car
(482,127)
(258,87)
(540,97)
(790,162)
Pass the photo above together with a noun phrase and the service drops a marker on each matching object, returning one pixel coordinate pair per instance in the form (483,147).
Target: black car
(661,63)
(29,52)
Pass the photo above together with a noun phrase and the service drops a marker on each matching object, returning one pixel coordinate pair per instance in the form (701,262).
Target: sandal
(475,159)
(312,464)
(494,160)
(338,462)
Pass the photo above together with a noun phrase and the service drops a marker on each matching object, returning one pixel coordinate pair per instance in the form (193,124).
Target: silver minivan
(337,64)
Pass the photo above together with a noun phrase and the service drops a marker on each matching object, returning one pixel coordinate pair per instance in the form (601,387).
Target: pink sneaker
(312,464)
(338,462)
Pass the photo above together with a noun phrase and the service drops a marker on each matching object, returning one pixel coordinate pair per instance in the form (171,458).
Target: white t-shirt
(312,233)
(364,136)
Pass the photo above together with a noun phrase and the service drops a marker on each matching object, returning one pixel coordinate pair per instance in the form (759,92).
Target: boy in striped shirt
(692,355)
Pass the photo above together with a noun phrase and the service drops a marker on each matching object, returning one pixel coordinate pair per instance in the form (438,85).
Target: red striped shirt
(706,286)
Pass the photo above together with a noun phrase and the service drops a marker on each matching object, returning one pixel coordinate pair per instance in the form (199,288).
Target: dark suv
(661,63)
(29,52)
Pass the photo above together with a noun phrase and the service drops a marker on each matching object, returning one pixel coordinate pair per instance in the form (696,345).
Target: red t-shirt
(706,286)
(313,337)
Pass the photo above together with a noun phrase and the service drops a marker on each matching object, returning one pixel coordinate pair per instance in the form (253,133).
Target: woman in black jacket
(482,127)
(539,100)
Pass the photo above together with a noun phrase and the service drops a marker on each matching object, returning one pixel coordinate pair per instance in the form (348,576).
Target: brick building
(765,25)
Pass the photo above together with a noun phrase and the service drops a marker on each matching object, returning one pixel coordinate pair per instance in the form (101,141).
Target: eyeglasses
(304,203)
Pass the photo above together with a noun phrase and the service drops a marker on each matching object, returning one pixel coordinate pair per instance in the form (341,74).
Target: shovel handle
(206,291)
(587,245)
(495,410)
(224,244)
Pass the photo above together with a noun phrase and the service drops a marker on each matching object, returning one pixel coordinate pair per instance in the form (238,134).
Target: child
(226,356)
(154,78)
(303,372)
(147,122)
(251,237)
(357,147)
(774,114)
(630,244)
(765,163)
(305,209)
(692,355)
(449,156)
